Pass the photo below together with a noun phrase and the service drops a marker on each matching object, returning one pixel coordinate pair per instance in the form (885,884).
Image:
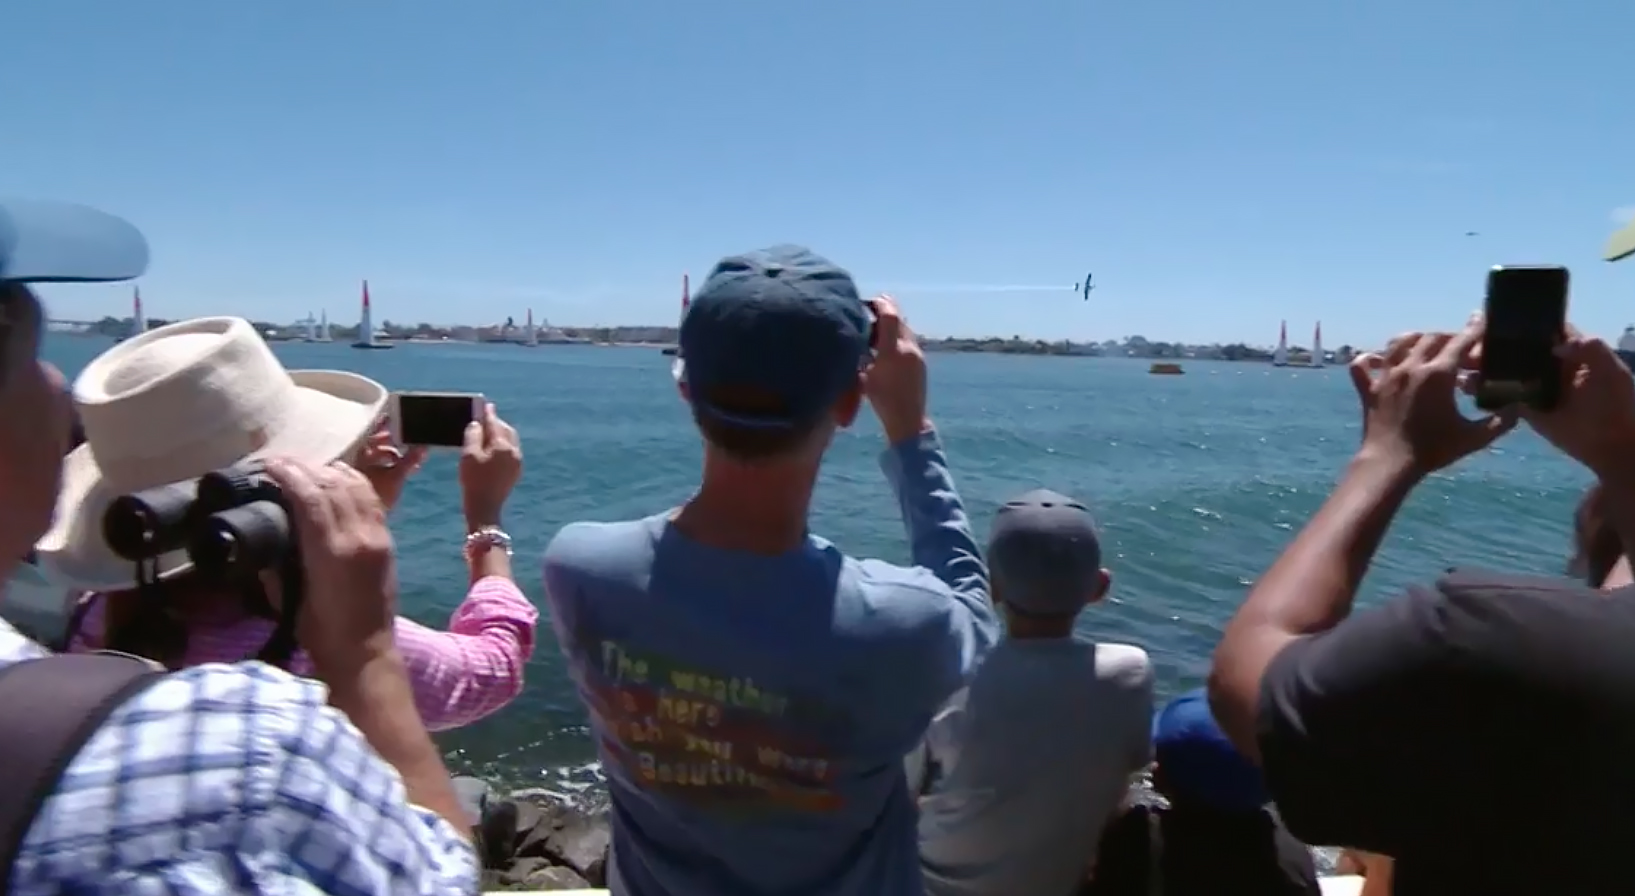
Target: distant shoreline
(1137,347)
(92,334)
(659,345)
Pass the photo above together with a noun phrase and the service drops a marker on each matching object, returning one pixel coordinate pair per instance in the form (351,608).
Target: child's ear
(1104,582)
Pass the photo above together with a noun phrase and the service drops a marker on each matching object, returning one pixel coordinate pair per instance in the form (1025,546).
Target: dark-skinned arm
(1619,576)
(1309,589)
(1618,491)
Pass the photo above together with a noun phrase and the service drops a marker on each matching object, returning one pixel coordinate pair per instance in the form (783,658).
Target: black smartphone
(1526,323)
(434,419)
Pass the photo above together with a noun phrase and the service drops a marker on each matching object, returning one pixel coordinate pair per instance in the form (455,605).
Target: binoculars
(231,522)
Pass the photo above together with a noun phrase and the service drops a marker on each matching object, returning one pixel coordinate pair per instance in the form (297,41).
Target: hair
(1020,623)
(153,621)
(1037,615)
(1596,546)
(15,299)
(752,445)
(147,622)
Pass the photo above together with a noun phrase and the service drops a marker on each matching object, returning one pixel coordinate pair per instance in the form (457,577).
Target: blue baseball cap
(1198,763)
(773,338)
(1044,554)
(60,242)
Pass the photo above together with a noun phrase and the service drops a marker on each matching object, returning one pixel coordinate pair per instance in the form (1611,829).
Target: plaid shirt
(232,779)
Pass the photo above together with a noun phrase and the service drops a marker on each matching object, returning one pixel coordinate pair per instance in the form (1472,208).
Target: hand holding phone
(896,382)
(1594,422)
(433,419)
(1526,322)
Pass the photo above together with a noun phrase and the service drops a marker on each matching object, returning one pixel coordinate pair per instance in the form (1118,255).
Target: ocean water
(1197,481)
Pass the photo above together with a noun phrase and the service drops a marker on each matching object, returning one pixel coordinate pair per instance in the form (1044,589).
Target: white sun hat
(175,403)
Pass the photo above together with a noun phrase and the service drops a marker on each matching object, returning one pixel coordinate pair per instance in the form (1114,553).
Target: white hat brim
(336,410)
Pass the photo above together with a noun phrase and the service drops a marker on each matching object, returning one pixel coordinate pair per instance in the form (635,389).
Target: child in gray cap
(1020,771)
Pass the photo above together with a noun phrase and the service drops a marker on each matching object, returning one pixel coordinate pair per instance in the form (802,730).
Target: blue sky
(1219,166)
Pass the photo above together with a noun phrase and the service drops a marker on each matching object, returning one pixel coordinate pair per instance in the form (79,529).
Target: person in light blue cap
(104,752)
(60,242)
(45,242)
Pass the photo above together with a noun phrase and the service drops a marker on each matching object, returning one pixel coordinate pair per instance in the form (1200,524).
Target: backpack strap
(52,706)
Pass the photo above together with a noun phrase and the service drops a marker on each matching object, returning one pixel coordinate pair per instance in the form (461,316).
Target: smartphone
(1526,323)
(433,419)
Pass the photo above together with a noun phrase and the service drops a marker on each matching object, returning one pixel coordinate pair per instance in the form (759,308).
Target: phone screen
(1526,319)
(434,420)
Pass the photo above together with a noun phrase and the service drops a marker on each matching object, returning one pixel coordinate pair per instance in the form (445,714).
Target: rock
(540,874)
(556,878)
(535,840)
(581,843)
(534,825)
(519,871)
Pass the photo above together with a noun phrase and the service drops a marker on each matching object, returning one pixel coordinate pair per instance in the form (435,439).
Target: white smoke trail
(982,288)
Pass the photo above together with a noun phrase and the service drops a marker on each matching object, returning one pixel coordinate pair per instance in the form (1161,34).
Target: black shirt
(1199,852)
(1481,732)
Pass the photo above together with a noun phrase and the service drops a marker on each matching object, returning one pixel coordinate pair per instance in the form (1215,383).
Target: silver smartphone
(433,419)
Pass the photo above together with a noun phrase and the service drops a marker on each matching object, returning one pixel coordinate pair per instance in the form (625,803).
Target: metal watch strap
(487,538)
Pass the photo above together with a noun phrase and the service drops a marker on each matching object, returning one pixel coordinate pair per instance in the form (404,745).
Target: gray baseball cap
(1044,554)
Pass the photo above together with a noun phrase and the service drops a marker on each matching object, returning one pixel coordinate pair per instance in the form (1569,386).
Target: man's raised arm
(939,532)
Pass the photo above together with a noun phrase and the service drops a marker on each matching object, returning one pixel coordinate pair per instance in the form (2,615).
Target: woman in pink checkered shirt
(461,674)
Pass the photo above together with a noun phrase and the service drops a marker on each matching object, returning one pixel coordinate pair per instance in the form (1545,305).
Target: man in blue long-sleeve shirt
(753,690)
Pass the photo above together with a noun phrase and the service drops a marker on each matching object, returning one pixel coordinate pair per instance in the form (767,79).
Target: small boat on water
(669,351)
(1166,368)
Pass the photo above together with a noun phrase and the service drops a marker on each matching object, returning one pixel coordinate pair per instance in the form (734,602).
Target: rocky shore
(537,839)
(534,840)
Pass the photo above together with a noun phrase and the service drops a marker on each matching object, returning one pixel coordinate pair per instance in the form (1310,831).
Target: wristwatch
(485,539)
